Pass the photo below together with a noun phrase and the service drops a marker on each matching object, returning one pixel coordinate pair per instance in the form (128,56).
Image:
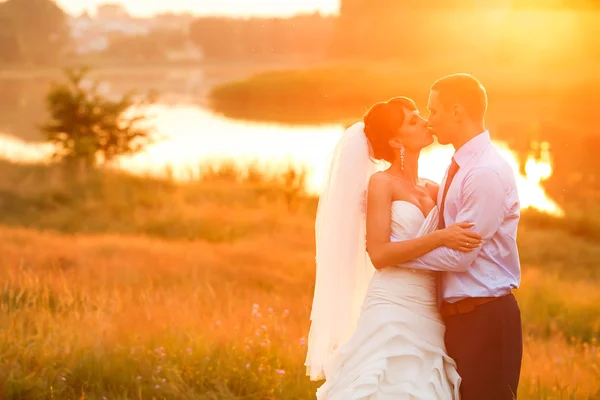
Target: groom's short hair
(465,90)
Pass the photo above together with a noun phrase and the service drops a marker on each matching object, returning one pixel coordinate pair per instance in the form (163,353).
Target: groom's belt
(465,306)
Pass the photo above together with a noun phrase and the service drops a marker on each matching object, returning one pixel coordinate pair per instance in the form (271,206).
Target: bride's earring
(402,157)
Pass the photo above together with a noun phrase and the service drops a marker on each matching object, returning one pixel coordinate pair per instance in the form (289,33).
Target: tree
(9,43)
(32,31)
(219,38)
(154,46)
(88,128)
(225,38)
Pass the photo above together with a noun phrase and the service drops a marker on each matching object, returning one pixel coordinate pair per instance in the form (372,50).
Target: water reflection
(193,137)
(560,119)
(196,136)
(18,150)
(435,159)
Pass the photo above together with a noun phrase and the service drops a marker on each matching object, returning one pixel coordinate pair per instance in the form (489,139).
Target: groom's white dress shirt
(483,192)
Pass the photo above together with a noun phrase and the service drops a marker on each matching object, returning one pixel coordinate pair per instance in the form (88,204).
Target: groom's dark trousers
(484,337)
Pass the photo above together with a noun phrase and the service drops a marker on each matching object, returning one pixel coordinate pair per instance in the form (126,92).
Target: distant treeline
(36,32)
(32,32)
(256,38)
(549,32)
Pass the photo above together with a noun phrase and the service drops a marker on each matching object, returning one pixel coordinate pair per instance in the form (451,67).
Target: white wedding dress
(397,350)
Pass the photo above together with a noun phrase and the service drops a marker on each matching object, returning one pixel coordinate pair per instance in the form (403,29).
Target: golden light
(538,35)
(539,170)
(17,150)
(435,160)
(531,193)
(194,137)
(197,136)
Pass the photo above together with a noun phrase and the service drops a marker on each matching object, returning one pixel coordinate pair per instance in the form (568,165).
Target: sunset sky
(203,7)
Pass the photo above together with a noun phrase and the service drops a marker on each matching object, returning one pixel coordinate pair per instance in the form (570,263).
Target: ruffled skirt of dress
(397,351)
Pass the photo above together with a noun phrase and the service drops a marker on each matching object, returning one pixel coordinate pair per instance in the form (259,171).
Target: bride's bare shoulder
(380,178)
(380,183)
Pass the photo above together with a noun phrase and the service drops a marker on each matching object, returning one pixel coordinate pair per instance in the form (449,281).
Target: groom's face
(440,120)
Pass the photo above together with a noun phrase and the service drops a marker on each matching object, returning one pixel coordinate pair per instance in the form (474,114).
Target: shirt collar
(472,147)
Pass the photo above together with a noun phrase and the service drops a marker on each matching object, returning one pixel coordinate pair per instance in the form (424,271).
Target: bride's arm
(483,205)
(384,253)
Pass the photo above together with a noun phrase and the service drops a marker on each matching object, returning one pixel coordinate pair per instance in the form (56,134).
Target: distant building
(111,12)
(187,52)
(92,33)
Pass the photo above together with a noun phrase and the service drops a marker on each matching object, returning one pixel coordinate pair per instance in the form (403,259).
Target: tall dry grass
(122,314)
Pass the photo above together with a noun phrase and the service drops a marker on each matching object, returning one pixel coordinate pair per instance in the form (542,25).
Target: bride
(376,333)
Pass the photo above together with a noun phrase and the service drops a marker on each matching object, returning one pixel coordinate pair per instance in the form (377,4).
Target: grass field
(131,288)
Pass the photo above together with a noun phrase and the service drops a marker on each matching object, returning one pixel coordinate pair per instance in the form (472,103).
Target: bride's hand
(458,237)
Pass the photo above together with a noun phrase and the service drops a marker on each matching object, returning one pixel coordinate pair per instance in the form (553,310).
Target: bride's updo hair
(383,122)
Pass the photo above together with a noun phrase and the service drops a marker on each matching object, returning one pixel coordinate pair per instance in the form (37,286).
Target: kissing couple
(414,282)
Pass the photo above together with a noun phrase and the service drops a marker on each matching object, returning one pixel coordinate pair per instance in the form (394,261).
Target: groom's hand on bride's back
(459,237)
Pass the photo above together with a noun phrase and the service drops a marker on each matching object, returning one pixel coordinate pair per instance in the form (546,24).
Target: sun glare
(196,137)
(434,161)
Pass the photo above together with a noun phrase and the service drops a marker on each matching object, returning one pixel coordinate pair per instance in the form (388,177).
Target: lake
(192,135)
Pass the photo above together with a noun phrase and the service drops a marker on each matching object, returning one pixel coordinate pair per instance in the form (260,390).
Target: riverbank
(338,92)
(41,196)
(108,68)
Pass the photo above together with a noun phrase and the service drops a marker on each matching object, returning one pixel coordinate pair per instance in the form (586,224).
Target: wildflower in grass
(188,350)
(280,371)
(160,351)
(255,311)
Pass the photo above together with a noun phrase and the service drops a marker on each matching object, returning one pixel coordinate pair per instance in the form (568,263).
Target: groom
(483,320)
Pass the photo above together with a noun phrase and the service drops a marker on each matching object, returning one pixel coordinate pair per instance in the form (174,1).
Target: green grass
(42,197)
